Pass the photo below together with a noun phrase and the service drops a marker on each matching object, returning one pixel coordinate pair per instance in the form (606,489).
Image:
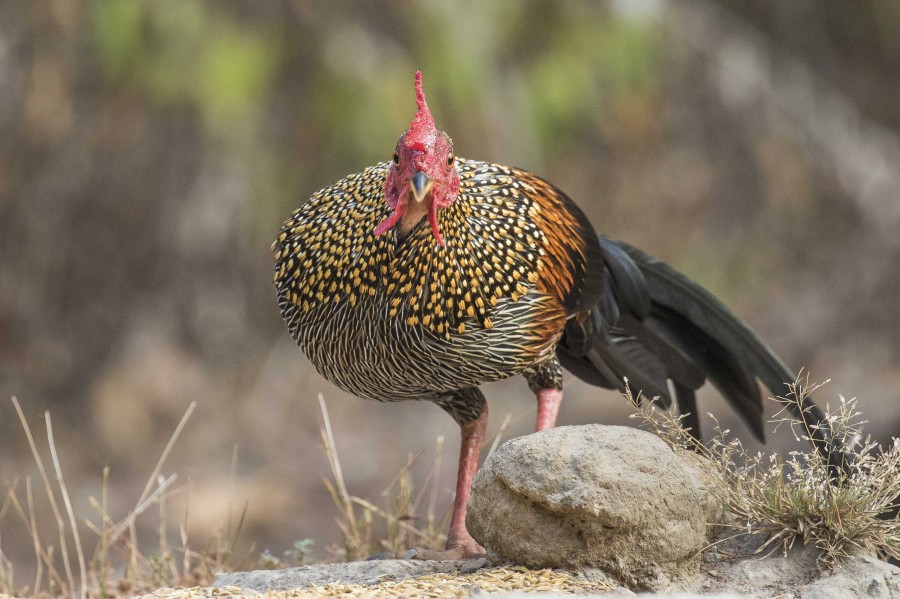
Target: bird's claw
(406,555)
(458,552)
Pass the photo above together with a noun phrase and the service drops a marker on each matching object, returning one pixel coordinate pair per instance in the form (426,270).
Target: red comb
(422,129)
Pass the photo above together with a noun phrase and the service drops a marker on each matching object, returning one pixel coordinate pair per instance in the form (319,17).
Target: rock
(796,575)
(364,573)
(611,497)
(773,574)
(618,595)
(862,577)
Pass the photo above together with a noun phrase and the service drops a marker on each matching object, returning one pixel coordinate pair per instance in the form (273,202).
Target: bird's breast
(368,352)
(384,316)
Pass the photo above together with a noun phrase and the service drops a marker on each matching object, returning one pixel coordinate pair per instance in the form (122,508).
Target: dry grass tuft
(401,516)
(98,556)
(798,498)
(115,566)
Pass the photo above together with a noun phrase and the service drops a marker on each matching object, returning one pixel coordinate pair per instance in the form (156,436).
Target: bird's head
(422,177)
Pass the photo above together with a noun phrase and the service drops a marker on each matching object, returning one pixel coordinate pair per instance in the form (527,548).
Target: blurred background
(149,152)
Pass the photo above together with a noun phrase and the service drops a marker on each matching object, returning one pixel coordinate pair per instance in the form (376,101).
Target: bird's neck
(415,214)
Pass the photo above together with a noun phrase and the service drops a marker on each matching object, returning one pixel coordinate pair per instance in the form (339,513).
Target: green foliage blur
(185,55)
(192,57)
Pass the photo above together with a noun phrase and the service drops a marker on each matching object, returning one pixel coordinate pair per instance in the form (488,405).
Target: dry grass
(401,517)
(407,519)
(799,498)
(99,556)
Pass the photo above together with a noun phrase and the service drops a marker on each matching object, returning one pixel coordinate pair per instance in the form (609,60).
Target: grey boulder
(608,497)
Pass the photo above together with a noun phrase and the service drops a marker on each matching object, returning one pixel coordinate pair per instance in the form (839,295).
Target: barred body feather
(392,318)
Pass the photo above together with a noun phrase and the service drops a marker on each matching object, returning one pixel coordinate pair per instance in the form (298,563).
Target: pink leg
(459,540)
(548,406)
(460,544)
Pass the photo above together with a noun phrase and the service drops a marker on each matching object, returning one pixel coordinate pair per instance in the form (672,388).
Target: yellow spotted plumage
(400,318)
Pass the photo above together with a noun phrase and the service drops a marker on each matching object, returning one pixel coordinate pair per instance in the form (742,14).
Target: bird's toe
(454,552)
(408,554)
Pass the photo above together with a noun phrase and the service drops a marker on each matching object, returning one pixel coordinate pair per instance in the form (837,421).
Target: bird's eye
(450,159)
(396,158)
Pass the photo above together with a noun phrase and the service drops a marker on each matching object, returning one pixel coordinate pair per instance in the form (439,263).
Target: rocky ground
(791,577)
(594,511)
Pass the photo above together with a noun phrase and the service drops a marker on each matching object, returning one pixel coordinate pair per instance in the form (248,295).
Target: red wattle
(389,222)
(432,218)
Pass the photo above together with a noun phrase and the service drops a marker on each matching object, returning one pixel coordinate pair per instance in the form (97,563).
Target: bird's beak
(420,185)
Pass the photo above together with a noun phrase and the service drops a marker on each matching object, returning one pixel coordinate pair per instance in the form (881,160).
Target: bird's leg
(548,406)
(458,538)
(545,380)
(469,409)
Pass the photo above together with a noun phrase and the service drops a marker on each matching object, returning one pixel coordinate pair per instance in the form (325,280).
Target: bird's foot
(462,549)
(468,549)
(408,554)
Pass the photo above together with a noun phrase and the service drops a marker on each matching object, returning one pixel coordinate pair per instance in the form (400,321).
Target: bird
(428,275)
